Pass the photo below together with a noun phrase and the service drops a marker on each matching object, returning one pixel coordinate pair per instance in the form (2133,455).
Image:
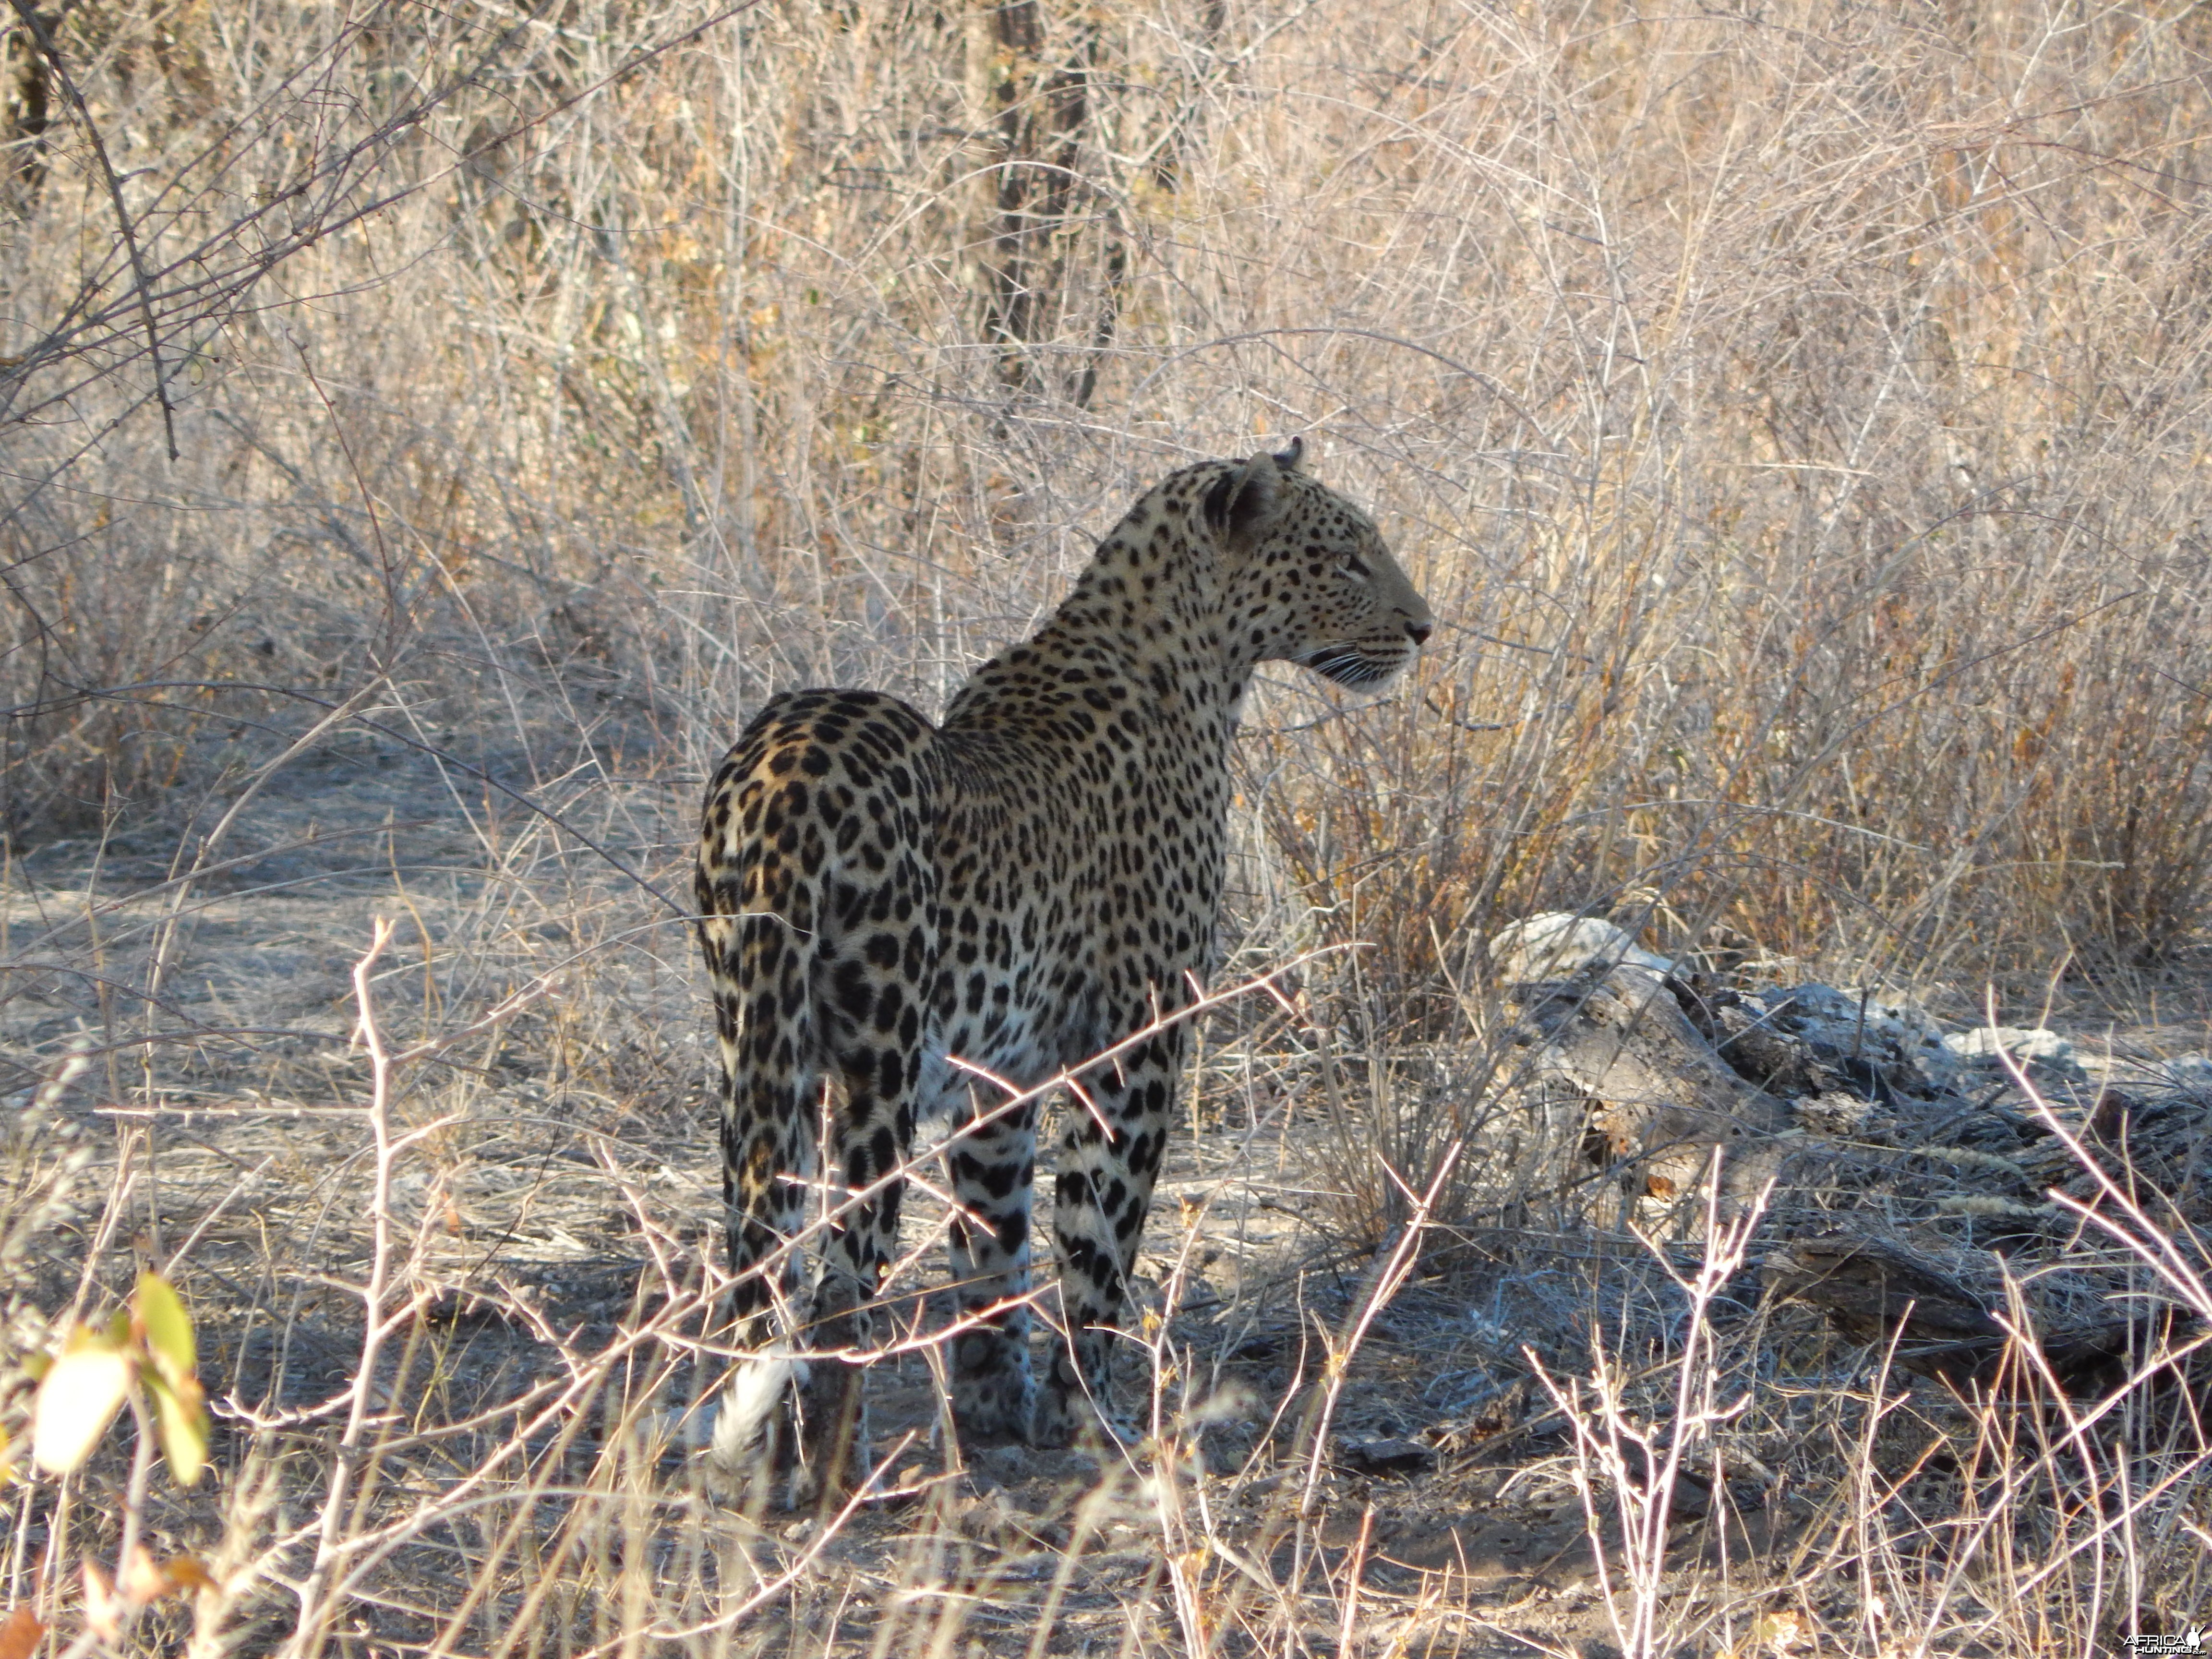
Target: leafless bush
(1794,418)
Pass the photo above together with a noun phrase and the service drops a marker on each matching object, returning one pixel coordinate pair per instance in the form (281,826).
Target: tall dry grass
(1796,420)
(484,1444)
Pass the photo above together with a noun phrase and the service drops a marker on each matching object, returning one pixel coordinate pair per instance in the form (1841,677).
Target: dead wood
(1662,1100)
(1879,1291)
(1668,1069)
(1872,1290)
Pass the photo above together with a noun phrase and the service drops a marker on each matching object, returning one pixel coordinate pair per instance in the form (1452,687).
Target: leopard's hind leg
(816,893)
(870,1128)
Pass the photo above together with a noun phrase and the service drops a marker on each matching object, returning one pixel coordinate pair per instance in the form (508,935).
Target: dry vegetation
(425,432)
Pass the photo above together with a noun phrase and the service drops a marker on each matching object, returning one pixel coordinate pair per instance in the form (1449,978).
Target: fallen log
(1842,1096)
(1879,1291)
(1662,1102)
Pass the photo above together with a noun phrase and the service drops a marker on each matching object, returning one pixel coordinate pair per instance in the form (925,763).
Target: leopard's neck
(1148,609)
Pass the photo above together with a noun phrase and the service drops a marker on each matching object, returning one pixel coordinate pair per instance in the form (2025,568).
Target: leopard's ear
(1289,457)
(1241,504)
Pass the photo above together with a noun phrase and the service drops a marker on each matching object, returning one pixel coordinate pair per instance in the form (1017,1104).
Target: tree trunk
(1041,193)
(26,86)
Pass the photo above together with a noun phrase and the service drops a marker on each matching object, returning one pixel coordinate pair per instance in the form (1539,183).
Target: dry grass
(1800,418)
(423,434)
(453,1319)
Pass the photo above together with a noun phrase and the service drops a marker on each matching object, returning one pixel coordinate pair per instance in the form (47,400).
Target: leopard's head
(1308,577)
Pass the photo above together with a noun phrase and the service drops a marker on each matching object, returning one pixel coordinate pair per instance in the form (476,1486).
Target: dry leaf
(141,1580)
(183,1572)
(21,1634)
(81,1394)
(1780,1631)
(103,1609)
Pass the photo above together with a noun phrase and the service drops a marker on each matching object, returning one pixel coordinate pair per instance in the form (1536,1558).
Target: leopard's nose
(1418,632)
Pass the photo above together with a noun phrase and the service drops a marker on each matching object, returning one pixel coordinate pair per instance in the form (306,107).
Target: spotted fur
(1023,885)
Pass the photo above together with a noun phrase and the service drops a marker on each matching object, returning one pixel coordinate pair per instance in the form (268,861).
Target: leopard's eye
(1352,566)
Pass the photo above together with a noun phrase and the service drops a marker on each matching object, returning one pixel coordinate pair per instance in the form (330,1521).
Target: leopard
(904,920)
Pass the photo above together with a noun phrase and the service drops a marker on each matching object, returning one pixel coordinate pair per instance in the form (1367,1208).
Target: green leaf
(168,1329)
(181,1424)
(81,1394)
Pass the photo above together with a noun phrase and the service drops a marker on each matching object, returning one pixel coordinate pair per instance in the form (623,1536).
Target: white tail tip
(748,1407)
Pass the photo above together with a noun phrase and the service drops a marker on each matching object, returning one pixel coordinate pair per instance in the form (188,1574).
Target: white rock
(2191,1071)
(1845,1018)
(1558,944)
(2035,1049)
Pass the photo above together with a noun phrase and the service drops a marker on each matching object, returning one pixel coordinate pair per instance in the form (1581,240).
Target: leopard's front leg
(992,1165)
(1109,1163)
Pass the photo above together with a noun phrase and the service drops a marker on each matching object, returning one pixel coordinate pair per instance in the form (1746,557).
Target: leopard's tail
(757,928)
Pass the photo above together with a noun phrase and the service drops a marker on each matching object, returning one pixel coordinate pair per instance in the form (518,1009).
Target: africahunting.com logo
(2189,1641)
